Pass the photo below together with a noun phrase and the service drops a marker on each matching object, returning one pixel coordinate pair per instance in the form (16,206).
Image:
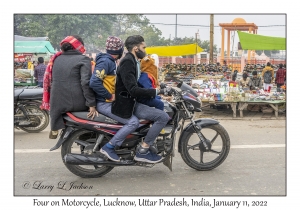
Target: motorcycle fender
(63,137)
(202,123)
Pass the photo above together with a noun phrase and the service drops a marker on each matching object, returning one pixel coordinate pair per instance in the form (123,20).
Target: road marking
(34,150)
(256,146)
(231,147)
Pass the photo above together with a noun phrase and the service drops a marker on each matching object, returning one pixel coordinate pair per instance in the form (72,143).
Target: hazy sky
(201,23)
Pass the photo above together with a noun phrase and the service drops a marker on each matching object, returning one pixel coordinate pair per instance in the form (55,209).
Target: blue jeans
(130,125)
(141,111)
(154,102)
(40,84)
(159,117)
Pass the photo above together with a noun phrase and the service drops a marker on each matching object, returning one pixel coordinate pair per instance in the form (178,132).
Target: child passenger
(149,79)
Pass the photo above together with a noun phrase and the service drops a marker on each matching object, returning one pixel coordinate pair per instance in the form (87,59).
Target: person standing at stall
(280,77)
(39,71)
(268,76)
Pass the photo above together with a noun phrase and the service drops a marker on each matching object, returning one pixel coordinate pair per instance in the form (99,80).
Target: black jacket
(127,89)
(70,89)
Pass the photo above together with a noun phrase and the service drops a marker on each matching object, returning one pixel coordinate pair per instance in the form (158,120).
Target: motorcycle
(27,113)
(203,144)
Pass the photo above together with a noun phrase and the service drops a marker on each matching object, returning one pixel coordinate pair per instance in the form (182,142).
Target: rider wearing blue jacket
(103,78)
(103,84)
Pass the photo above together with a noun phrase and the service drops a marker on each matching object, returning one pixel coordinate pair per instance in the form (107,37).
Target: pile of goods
(187,72)
(23,75)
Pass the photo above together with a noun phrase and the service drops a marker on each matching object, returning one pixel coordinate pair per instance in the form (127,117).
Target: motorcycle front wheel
(84,171)
(206,160)
(37,125)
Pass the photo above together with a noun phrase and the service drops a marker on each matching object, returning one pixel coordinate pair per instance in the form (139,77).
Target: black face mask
(140,54)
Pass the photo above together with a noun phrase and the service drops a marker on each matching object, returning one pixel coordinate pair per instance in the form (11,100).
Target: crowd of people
(122,86)
(265,81)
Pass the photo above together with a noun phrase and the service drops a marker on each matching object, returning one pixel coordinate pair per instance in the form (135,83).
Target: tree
(127,25)
(56,27)
(94,29)
(30,25)
(205,45)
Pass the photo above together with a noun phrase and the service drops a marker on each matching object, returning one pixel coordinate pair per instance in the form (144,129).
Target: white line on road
(34,150)
(256,146)
(231,147)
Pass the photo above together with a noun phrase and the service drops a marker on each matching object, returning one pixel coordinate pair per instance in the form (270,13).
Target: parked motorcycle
(27,113)
(203,144)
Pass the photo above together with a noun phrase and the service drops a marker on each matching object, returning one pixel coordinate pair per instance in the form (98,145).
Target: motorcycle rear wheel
(83,171)
(41,114)
(204,161)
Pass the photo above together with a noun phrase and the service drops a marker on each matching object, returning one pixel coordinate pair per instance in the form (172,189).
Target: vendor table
(274,104)
(243,104)
(25,84)
(32,83)
(232,104)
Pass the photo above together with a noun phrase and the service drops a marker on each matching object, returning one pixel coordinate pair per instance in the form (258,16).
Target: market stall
(26,54)
(220,91)
(274,104)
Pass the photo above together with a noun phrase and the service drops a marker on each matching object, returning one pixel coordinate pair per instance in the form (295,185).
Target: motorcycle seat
(31,94)
(101,118)
(17,93)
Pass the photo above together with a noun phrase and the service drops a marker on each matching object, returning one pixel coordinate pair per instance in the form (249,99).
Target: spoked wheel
(195,157)
(38,118)
(84,171)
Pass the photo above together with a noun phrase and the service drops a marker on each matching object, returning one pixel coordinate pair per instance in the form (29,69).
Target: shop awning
(259,42)
(177,50)
(33,47)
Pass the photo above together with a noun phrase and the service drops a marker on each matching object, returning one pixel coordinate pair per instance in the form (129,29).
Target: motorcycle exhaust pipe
(19,118)
(80,159)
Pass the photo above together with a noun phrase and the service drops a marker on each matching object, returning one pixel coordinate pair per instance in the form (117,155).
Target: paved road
(256,165)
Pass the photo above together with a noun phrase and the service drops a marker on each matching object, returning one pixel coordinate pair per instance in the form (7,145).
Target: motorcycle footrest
(144,164)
